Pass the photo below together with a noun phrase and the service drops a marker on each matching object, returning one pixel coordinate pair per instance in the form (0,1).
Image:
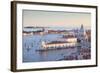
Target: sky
(38,18)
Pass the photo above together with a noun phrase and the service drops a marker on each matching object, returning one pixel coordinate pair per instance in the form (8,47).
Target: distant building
(88,35)
(69,42)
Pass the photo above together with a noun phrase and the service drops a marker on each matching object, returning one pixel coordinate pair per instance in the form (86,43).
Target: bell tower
(81,30)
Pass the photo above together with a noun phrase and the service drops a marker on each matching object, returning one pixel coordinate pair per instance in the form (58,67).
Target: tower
(80,35)
(80,39)
(81,31)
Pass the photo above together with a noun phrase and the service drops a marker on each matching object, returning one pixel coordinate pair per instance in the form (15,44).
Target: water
(33,42)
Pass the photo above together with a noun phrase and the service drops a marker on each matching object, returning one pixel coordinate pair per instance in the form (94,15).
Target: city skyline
(38,18)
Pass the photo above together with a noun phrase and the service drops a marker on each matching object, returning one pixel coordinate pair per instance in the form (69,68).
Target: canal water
(31,43)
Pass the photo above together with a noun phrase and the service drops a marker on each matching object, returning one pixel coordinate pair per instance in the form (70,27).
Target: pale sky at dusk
(55,19)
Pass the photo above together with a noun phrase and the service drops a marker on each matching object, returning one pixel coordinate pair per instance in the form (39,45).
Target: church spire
(82,26)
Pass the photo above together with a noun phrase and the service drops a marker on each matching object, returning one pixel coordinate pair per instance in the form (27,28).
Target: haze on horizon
(38,18)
